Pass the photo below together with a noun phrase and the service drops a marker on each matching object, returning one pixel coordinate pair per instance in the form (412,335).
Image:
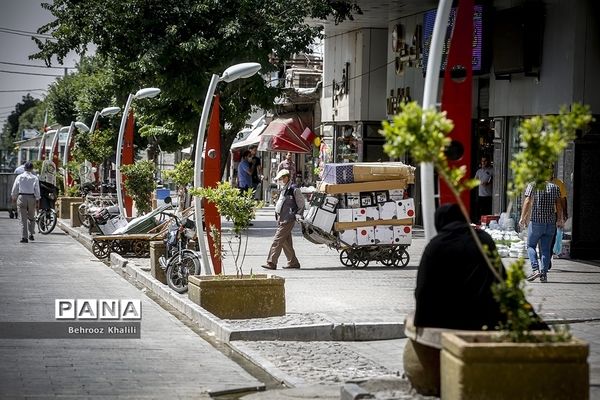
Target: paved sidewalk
(374,300)
(169,361)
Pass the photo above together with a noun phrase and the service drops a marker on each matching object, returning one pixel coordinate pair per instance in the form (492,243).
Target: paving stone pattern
(169,361)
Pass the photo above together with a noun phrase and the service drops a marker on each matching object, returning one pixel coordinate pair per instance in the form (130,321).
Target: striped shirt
(544,203)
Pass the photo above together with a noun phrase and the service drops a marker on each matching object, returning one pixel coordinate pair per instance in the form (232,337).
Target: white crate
(365,235)
(402,234)
(384,234)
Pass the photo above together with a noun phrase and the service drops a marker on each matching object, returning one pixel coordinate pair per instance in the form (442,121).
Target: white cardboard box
(387,210)
(402,234)
(324,220)
(353,200)
(345,215)
(330,203)
(348,236)
(309,215)
(365,235)
(405,208)
(384,234)
(359,214)
(372,213)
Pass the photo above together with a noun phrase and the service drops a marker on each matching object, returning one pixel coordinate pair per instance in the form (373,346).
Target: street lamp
(81,126)
(55,140)
(243,70)
(140,94)
(104,113)
(42,146)
(429,101)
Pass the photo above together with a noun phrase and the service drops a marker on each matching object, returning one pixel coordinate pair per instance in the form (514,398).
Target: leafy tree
(177,44)
(11,127)
(33,118)
(140,184)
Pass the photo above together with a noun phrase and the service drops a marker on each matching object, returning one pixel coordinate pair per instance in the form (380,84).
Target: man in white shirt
(26,192)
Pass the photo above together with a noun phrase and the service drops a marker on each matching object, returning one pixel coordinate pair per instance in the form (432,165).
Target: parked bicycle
(46,215)
(179,261)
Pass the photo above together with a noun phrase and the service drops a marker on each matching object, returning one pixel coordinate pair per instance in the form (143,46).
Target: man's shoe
(24,240)
(292,267)
(543,278)
(31,237)
(533,276)
(269,266)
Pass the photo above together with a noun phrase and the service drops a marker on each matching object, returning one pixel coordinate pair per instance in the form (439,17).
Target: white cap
(281,174)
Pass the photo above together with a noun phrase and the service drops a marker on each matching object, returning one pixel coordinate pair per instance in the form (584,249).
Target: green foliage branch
(424,134)
(236,206)
(182,175)
(140,183)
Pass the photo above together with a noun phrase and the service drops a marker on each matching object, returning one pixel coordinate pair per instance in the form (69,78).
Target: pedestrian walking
(485,175)
(289,208)
(20,169)
(245,171)
(26,192)
(257,173)
(288,164)
(542,212)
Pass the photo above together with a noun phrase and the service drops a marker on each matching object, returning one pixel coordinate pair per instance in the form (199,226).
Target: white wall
(569,71)
(364,49)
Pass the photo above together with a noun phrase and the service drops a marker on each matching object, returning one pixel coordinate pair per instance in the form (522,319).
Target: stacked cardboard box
(364,212)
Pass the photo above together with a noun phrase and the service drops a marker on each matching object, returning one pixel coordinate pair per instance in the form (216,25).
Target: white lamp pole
(140,94)
(80,126)
(104,113)
(244,70)
(42,146)
(55,140)
(430,92)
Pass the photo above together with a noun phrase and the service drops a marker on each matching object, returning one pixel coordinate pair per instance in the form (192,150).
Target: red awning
(284,133)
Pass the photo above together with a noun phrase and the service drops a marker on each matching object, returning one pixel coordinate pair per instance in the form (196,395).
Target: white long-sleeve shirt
(26,183)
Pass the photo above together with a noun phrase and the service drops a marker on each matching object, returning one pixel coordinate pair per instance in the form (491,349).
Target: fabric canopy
(284,133)
(254,137)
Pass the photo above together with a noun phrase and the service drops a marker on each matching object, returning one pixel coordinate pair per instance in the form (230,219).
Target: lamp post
(66,153)
(104,113)
(429,101)
(140,94)
(243,70)
(42,146)
(55,141)
(107,111)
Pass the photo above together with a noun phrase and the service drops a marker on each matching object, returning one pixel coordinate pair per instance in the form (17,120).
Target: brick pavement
(169,361)
(327,290)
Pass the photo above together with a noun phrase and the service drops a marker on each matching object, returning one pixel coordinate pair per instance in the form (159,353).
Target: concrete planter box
(230,297)
(475,365)
(63,206)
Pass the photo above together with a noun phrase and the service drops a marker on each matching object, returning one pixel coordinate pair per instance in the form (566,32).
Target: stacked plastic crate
(364,204)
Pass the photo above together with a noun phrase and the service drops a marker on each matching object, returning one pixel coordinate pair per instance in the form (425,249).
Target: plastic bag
(558,243)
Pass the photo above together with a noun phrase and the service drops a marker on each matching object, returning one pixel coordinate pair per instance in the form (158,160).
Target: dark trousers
(484,206)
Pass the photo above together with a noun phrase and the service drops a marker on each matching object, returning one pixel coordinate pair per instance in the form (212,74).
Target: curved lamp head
(51,132)
(81,126)
(109,111)
(243,70)
(146,93)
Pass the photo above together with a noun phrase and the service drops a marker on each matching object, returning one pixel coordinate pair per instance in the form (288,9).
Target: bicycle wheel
(83,215)
(46,221)
(178,270)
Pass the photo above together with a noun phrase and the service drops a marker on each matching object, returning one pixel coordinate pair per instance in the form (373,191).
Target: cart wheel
(346,257)
(400,257)
(100,249)
(387,257)
(360,258)
(118,247)
(140,248)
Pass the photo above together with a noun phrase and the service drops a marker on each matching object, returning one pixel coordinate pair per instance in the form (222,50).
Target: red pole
(456,96)
(127,156)
(212,175)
